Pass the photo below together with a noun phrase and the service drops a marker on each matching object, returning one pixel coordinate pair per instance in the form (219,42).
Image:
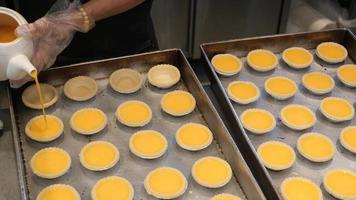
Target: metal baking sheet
(131,167)
(270,180)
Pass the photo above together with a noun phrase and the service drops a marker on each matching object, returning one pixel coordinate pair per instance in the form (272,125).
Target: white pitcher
(14,55)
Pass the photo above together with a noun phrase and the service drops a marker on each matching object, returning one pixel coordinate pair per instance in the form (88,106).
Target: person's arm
(101,9)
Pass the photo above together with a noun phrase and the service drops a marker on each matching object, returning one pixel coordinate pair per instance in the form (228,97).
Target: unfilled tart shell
(163,75)
(80,88)
(126,81)
(31,99)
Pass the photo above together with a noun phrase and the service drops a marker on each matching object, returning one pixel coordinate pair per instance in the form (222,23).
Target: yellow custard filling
(58,192)
(148,144)
(258,120)
(276,155)
(134,113)
(99,155)
(88,120)
(297,188)
(178,103)
(243,91)
(226,64)
(331,50)
(112,188)
(340,183)
(347,74)
(297,56)
(318,82)
(193,136)
(348,138)
(315,147)
(37,128)
(225,196)
(297,117)
(262,59)
(336,108)
(50,162)
(211,172)
(165,183)
(280,86)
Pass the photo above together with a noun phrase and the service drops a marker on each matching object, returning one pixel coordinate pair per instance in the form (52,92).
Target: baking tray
(131,167)
(270,180)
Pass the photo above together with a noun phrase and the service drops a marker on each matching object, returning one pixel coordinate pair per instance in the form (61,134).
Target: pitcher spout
(18,67)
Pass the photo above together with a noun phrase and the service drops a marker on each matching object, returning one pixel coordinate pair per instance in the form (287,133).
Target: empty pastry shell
(80,88)
(163,76)
(31,98)
(126,81)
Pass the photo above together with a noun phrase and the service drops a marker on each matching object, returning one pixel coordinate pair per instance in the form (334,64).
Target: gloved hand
(52,33)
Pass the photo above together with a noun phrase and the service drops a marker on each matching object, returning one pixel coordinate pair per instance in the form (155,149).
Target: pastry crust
(300,179)
(163,75)
(47,139)
(297,65)
(194,147)
(30,96)
(126,81)
(217,184)
(224,72)
(88,132)
(171,111)
(311,157)
(80,88)
(344,80)
(240,100)
(48,159)
(144,155)
(332,117)
(344,143)
(328,59)
(293,125)
(159,195)
(272,166)
(277,95)
(41,195)
(331,190)
(259,68)
(99,168)
(227,196)
(255,130)
(313,89)
(133,124)
(109,178)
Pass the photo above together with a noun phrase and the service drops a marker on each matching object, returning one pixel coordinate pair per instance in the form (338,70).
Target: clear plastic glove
(52,33)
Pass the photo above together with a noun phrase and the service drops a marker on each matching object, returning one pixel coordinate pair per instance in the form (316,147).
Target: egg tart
(347,74)
(126,81)
(163,76)
(315,147)
(99,155)
(331,52)
(280,87)
(276,155)
(193,136)
(211,172)
(134,113)
(31,99)
(336,109)
(50,162)
(262,60)
(112,188)
(226,64)
(258,121)
(225,196)
(297,57)
(80,88)
(57,192)
(88,121)
(297,117)
(318,83)
(340,183)
(165,183)
(348,138)
(178,103)
(38,130)
(243,92)
(298,188)
(148,144)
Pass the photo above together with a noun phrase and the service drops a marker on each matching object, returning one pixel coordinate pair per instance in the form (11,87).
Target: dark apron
(128,33)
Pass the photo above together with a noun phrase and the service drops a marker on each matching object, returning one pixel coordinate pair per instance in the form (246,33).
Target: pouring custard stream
(38,87)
